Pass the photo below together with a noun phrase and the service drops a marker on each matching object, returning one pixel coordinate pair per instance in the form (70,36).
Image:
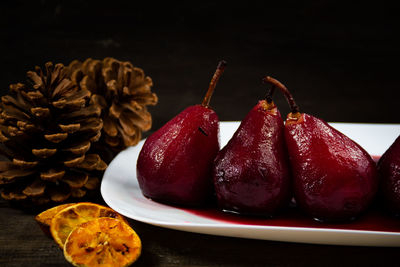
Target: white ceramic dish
(121,192)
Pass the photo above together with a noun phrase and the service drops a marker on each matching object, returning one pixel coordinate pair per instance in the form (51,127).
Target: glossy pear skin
(389,169)
(175,163)
(251,173)
(335,179)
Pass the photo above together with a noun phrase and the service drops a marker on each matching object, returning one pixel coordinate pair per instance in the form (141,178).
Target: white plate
(121,192)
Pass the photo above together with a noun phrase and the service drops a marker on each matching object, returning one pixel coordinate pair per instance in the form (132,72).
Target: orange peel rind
(44,218)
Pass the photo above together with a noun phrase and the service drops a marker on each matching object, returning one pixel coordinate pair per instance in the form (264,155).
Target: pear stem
(268,96)
(275,83)
(220,69)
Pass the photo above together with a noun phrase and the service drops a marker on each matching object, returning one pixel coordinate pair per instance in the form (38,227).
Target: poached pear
(389,169)
(251,173)
(175,163)
(334,178)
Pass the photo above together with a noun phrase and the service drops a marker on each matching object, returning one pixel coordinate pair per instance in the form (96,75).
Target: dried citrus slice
(67,219)
(102,242)
(44,218)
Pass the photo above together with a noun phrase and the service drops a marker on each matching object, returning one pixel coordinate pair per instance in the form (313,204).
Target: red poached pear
(251,173)
(334,178)
(175,163)
(389,169)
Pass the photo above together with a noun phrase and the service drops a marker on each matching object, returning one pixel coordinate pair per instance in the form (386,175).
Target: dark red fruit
(389,168)
(335,179)
(175,163)
(251,173)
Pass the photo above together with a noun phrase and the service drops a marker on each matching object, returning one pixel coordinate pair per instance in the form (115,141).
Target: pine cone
(123,92)
(46,131)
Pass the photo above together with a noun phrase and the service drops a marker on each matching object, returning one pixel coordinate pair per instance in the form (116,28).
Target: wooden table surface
(340,62)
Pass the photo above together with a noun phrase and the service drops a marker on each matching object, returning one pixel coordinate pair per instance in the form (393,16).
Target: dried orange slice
(67,219)
(44,218)
(102,242)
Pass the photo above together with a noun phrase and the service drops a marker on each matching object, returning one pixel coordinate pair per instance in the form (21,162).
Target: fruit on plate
(68,218)
(251,173)
(44,218)
(175,163)
(334,178)
(389,169)
(102,242)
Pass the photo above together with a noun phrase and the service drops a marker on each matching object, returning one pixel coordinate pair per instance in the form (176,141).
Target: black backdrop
(339,60)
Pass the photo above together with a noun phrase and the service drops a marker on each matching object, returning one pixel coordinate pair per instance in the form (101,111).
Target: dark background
(340,60)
